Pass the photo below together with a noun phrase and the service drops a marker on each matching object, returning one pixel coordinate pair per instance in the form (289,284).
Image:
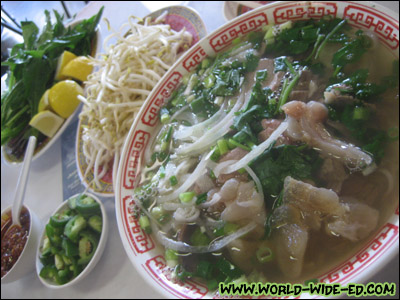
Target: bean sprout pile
(125,76)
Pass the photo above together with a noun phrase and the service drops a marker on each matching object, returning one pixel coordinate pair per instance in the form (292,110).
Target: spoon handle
(21,185)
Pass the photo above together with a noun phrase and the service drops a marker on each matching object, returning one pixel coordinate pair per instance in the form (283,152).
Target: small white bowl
(25,263)
(99,251)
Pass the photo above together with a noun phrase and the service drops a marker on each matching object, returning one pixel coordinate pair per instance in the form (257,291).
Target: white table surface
(114,276)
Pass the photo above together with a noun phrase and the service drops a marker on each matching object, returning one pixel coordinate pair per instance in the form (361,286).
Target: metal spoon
(22,180)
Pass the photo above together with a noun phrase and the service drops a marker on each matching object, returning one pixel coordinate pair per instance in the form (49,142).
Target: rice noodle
(125,76)
(200,128)
(222,165)
(256,180)
(200,169)
(213,134)
(212,247)
(214,200)
(186,214)
(256,150)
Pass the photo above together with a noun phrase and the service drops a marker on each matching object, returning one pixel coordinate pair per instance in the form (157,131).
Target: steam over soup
(277,158)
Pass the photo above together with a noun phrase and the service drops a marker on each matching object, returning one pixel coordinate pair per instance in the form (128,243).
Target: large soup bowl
(142,249)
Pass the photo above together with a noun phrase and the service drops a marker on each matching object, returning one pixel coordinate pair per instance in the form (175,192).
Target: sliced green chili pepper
(75,268)
(87,206)
(74,227)
(67,260)
(96,223)
(58,261)
(48,272)
(72,202)
(70,248)
(62,276)
(264,254)
(59,220)
(87,247)
(53,235)
(46,260)
(46,251)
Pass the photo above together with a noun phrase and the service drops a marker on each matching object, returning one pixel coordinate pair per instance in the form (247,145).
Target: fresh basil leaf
(29,32)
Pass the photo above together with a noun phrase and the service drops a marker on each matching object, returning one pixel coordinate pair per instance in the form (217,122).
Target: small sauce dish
(18,247)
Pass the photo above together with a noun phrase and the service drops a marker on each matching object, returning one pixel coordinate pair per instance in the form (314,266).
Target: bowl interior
(146,255)
(99,251)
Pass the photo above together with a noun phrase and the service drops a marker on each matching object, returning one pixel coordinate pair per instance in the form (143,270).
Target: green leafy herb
(370,139)
(309,35)
(276,163)
(31,71)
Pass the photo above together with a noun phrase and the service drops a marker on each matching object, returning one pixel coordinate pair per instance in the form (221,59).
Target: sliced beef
(273,80)
(306,124)
(334,173)
(358,222)
(335,95)
(270,125)
(308,88)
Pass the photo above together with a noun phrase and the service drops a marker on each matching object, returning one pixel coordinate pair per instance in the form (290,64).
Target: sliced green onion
(269,34)
(185,78)
(234,144)
(164,146)
(186,197)
(316,45)
(205,63)
(242,171)
(209,81)
(289,65)
(287,90)
(162,172)
(199,238)
(360,113)
(201,198)
(236,41)
(219,100)
(157,212)
(216,154)
(212,175)
(144,223)
(171,258)
(230,228)
(173,180)
(165,118)
(250,144)
(264,254)
(171,255)
(222,146)
(169,134)
(286,25)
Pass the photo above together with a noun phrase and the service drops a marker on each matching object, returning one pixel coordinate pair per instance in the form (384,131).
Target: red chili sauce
(13,240)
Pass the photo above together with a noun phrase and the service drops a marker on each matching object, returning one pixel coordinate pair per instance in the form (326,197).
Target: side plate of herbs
(32,67)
